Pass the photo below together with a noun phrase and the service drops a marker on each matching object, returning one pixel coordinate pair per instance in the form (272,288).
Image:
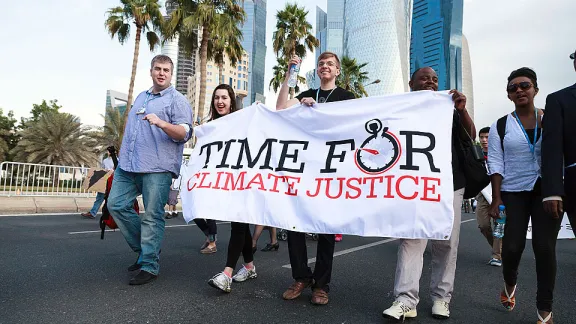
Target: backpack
(106,220)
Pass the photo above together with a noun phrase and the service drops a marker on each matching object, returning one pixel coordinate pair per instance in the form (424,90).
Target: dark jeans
(519,207)
(208,226)
(240,243)
(299,259)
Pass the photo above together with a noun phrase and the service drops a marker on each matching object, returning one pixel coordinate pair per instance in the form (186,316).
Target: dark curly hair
(524,72)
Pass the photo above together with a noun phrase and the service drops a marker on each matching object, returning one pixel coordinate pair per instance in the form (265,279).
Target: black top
(338,94)
(530,133)
(457,155)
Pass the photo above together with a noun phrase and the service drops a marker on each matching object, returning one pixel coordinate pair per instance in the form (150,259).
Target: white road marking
(167,226)
(362,247)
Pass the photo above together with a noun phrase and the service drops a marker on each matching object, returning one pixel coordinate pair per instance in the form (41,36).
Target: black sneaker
(143,277)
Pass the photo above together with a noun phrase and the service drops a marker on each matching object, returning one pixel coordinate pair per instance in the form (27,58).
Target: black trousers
(208,226)
(240,243)
(299,259)
(519,207)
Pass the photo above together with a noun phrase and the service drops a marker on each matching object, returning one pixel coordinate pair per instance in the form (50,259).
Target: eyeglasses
(329,63)
(524,85)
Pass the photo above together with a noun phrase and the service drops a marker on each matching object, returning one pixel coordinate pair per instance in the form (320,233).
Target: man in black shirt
(444,253)
(328,70)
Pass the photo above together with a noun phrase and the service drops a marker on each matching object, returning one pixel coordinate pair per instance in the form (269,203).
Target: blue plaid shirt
(146,148)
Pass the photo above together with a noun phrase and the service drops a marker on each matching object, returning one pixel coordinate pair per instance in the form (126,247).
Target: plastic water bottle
(293,80)
(500,223)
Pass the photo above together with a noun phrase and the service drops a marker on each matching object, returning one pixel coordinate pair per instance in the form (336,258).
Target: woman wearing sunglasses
(514,166)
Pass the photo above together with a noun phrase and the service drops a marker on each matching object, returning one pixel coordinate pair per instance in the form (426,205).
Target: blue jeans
(97,203)
(143,233)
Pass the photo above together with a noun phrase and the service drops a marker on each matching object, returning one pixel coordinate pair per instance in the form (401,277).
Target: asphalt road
(51,271)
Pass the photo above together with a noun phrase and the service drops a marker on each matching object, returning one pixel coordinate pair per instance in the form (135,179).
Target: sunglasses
(524,85)
(572,55)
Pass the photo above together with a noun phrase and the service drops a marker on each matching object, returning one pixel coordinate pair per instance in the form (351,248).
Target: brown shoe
(88,215)
(295,289)
(208,250)
(319,297)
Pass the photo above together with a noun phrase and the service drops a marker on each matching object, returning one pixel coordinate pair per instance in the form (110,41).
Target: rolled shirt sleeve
(495,153)
(181,114)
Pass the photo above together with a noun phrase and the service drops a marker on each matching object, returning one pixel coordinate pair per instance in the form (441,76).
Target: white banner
(378,166)
(565,228)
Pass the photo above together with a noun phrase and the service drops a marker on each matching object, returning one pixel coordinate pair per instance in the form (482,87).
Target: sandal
(208,250)
(508,301)
(545,320)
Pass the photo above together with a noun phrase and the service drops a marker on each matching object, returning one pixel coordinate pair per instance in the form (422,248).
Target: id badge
(141,111)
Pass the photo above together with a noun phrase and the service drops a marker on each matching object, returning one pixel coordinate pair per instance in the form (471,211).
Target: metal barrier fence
(28,179)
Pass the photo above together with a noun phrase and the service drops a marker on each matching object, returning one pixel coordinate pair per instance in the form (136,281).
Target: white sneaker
(399,311)
(245,274)
(495,262)
(222,282)
(441,309)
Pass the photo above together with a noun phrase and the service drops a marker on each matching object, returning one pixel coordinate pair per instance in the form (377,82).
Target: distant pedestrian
(159,123)
(173,199)
(108,165)
(485,222)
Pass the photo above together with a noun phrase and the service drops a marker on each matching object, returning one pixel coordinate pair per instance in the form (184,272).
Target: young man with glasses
(159,123)
(559,153)
(328,70)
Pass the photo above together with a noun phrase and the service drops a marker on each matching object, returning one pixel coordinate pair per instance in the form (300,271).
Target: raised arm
(282,102)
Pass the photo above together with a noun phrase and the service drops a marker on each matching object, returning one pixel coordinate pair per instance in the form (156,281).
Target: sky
(59,49)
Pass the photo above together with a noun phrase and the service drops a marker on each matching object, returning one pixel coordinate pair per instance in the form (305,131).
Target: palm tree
(56,139)
(4,149)
(293,34)
(225,43)
(351,77)
(147,17)
(279,73)
(113,130)
(191,15)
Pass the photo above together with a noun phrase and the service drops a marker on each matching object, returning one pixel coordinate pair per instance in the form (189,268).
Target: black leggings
(240,243)
(519,207)
(208,226)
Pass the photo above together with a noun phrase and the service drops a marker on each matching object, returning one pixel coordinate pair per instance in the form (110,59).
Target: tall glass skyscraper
(378,33)
(312,79)
(437,40)
(335,26)
(254,42)
(321,31)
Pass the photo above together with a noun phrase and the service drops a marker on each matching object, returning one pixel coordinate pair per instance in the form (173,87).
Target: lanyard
(142,109)
(318,91)
(526,134)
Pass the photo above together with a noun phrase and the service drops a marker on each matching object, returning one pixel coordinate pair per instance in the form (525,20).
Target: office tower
(377,32)
(254,43)
(437,40)
(236,77)
(467,84)
(335,26)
